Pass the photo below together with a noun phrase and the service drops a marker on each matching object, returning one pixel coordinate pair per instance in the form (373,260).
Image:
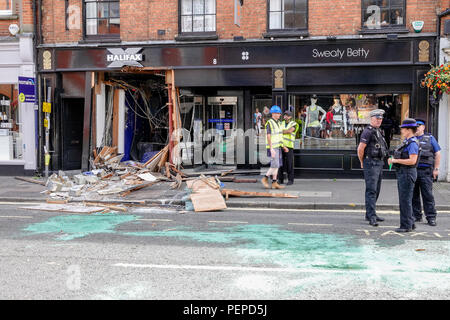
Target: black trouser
(424,186)
(288,166)
(373,175)
(406,178)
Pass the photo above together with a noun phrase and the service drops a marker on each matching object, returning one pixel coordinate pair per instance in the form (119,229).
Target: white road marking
(311,224)
(155,220)
(258,269)
(237,222)
(17,217)
(397,212)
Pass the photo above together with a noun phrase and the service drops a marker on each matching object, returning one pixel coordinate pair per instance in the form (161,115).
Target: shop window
(198,16)
(102,18)
(6,7)
(335,121)
(379,14)
(10,135)
(288,15)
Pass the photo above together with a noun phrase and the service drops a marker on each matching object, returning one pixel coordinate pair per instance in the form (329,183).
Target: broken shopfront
(132,97)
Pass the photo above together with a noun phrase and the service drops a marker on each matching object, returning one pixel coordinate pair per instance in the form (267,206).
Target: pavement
(314,194)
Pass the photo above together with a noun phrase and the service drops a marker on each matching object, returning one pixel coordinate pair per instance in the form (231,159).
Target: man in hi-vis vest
(274,143)
(290,128)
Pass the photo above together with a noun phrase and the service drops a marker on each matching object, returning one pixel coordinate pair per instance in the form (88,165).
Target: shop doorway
(72,133)
(221,120)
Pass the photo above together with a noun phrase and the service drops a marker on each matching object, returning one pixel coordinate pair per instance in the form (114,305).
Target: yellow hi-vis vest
(276,134)
(289,138)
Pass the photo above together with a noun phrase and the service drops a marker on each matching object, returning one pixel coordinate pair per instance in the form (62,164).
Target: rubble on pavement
(106,186)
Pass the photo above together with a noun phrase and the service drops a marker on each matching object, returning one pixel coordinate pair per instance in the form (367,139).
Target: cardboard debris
(206,194)
(208,200)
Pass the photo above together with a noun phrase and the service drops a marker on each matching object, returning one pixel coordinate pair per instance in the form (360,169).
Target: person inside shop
(427,171)
(372,151)
(266,115)
(300,121)
(274,143)
(405,160)
(290,129)
(257,119)
(388,123)
(328,123)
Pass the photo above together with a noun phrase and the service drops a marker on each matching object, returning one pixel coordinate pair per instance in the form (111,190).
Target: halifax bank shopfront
(329,85)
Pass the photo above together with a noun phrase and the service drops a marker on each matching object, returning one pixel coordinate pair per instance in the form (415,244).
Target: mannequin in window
(312,122)
(397,17)
(339,116)
(352,117)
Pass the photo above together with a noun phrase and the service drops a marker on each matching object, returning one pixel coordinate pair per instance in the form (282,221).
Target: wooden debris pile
(110,176)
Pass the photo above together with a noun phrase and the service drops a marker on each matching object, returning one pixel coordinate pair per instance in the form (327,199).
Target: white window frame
(9,12)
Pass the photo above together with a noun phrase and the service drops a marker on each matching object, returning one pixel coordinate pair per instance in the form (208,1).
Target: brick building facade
(354,55)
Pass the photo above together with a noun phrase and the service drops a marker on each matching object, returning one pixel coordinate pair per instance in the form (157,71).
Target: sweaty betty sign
(341,53)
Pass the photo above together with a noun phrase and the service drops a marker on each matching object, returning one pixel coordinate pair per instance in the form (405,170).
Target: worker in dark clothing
(405,160)
(427,171)
(290,129)
(372,151)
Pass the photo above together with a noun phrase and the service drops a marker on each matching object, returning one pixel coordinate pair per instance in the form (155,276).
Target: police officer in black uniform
(405,160)
(427,171)
(372,151)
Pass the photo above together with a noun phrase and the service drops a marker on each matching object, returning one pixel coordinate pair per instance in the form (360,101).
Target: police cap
(409,123)
(421,122)
(378,113)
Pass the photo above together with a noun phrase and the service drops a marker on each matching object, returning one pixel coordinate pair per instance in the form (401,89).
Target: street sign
(27,90)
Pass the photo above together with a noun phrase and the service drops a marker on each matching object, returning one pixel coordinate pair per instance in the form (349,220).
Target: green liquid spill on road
(274,245)
(78,226)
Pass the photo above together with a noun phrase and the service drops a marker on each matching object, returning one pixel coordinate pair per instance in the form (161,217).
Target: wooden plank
(57,201)
(238,193)
(42,183)
(115,131)
(109,206)
(138,187)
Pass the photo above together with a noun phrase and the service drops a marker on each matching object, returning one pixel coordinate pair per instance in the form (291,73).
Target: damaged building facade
(128,73)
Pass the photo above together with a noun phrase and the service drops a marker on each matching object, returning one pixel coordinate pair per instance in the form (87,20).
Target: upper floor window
(378,14)
(102,18)
(288,14)
(6,7)
(198,16)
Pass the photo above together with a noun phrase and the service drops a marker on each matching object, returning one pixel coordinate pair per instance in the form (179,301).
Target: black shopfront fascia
(312,67)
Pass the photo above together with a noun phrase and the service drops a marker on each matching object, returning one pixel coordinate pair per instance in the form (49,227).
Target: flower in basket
(438,80)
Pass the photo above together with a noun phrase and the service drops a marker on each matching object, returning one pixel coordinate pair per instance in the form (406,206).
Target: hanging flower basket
(438,80)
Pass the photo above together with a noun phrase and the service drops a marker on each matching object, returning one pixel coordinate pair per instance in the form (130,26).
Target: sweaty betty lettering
(338,53)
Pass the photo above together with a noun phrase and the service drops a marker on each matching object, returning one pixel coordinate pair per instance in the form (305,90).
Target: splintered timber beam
(237,193)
